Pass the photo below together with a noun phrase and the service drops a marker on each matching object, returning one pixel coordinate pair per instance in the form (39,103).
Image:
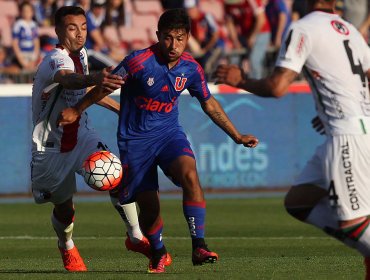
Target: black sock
(157,254)
(198,243)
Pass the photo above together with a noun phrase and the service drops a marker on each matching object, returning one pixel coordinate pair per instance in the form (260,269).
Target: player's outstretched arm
(275,85)
(215,111)
(71,80)
(70,115)
(110,104)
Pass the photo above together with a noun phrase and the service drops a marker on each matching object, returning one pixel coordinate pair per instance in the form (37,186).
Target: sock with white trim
(128,213)
(64,233)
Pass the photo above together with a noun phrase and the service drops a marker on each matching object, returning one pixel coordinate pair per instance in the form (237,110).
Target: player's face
(73,34)
(172,44)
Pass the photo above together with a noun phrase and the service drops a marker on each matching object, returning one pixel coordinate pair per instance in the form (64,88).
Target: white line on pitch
(28,237)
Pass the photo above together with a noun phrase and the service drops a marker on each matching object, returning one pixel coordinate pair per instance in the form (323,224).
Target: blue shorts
(140,163)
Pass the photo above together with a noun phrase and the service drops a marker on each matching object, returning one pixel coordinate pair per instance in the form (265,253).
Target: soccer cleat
(72,260)
(157,264)
(168,260)
(144,248)
(202,255)
(367,267)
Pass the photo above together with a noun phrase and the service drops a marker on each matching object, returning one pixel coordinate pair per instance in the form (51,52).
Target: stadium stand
(9,9)
(148,7)
(134,37)
(139,30)
(5,31)
(214,7)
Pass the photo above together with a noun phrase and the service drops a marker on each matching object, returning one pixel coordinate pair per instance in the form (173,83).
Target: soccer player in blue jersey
(149,133)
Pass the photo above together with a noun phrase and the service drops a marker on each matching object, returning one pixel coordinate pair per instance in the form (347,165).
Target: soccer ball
(102,171)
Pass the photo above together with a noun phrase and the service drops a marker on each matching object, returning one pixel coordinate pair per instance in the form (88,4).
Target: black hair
(174,19)
(65,11)
(23,4)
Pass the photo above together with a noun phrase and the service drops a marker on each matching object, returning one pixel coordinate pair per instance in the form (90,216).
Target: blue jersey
(149,98)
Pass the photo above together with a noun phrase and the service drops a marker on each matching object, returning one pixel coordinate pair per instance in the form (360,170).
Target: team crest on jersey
(340,27)
(180,83)
(150,81)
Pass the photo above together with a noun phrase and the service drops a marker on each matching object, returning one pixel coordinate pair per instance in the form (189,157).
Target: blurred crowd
(244,32)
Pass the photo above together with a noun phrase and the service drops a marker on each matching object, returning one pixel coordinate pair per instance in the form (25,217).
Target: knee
(293,208)
(300,200)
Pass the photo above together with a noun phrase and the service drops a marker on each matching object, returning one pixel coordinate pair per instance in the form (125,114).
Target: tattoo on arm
(224,123)
(219,119)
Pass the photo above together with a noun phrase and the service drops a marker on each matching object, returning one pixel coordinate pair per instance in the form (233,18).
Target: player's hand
(107,81)
(318,125)
(228,74)
(68,116)
(248,141)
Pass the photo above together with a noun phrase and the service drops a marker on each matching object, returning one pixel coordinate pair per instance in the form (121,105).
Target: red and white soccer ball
(102,171)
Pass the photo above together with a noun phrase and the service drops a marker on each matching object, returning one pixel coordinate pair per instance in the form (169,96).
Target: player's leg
(152,225)
(140,184)
(178,162)
(56,183)
(342,207)
(354,233)
(183,171)
(135,241)
(309,203)
(62,220)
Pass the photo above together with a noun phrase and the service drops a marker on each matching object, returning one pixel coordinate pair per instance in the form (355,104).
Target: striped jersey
(334,58)
(149,98)
(49,99)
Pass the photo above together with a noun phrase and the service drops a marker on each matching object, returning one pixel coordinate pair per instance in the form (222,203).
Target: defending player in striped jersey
(333,191)
(149,133)
(59,152)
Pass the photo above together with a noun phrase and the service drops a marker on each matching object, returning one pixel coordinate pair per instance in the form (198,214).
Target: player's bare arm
(71,80)
(275,85)
(214,110)
(96,95)
(110,104)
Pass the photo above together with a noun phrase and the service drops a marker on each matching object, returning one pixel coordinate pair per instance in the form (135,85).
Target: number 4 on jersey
(356,68)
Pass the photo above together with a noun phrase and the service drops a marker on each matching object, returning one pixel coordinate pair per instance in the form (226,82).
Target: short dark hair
(174,19)
(23,4)
(65,11)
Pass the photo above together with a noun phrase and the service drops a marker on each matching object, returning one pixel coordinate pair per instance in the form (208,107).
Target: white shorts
(341,166)
(53,174)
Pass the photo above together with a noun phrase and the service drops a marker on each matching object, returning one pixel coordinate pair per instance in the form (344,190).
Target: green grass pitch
(254,238)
